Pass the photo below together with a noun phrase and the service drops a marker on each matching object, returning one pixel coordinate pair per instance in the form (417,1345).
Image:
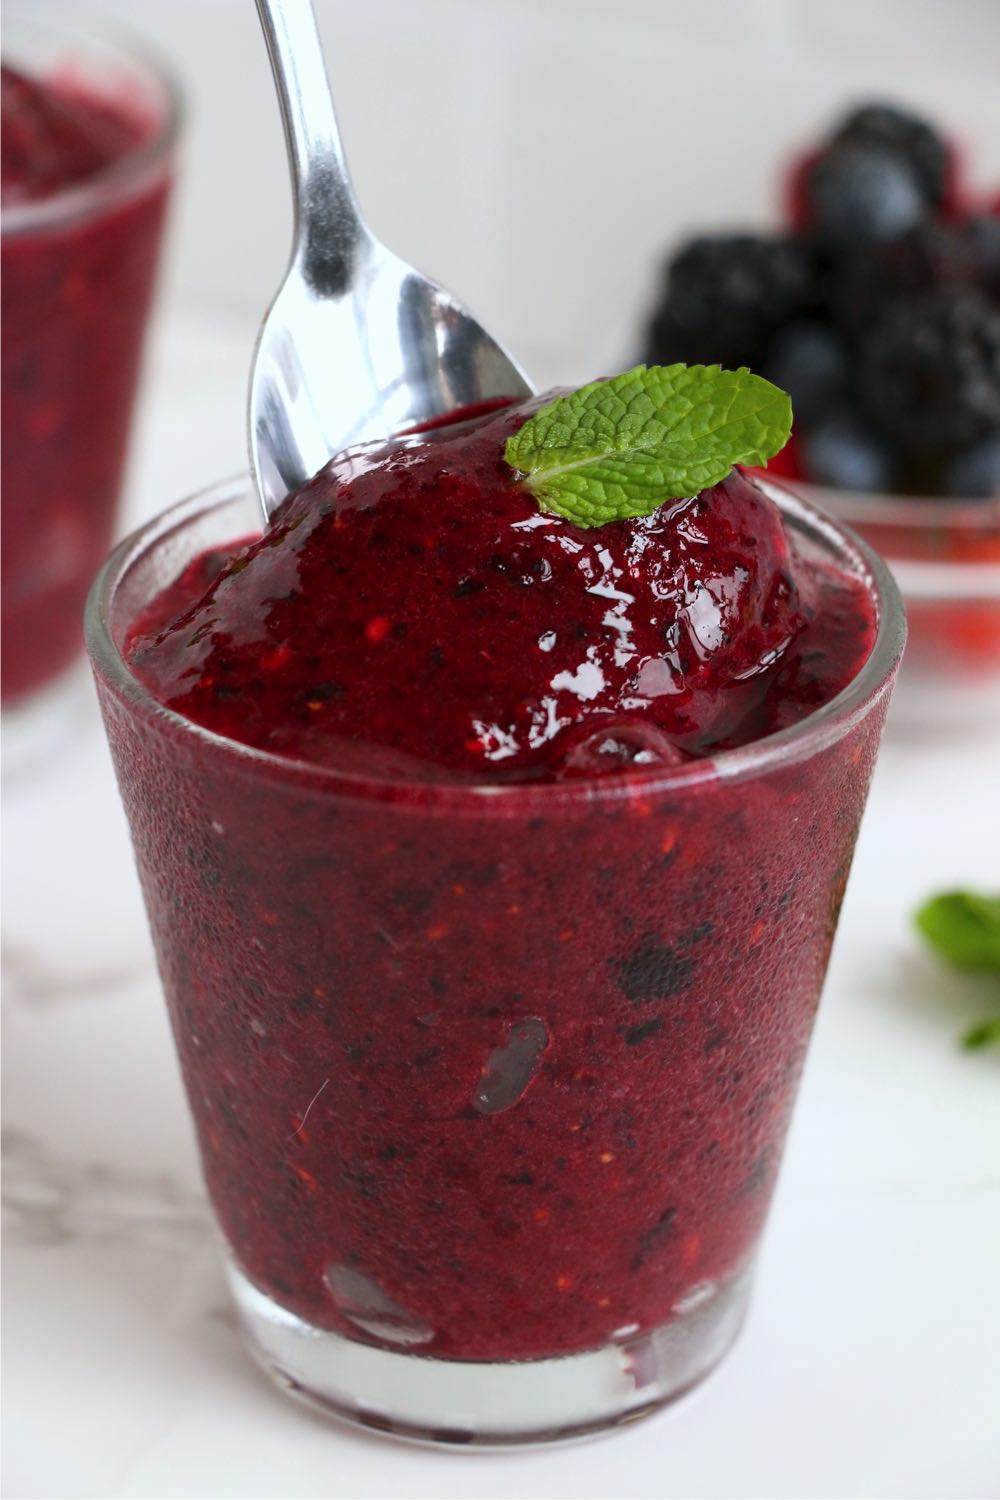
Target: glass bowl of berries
(876,304)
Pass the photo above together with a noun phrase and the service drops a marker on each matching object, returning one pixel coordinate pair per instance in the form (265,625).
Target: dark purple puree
(494,1087)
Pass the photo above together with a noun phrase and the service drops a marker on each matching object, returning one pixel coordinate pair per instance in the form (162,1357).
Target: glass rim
(126,172)
(917,512)
(902,521)
(806,737)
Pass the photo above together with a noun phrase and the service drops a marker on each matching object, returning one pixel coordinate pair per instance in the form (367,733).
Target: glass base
(492,1405)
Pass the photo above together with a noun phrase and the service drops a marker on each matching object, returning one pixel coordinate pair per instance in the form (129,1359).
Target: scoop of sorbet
(415,598)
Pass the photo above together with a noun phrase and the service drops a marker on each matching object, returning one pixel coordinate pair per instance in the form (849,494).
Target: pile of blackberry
(878,310)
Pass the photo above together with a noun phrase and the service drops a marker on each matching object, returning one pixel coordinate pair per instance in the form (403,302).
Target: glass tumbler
(491,1083)
(78,267)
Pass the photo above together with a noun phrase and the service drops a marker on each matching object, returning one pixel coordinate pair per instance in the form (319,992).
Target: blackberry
(725,297)
(930,372)
(928,259)
(906,137)
(860,195)
(812,363)
(844,452)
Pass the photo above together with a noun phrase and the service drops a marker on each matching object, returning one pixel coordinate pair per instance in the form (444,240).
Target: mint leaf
(982,1034)
(619,448)
(964,927)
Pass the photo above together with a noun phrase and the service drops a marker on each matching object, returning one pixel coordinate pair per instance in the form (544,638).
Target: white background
(535,155)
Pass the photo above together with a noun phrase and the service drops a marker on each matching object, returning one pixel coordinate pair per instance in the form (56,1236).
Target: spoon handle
(330,234)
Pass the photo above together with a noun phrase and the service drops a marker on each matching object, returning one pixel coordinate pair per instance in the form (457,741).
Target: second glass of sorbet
(491,1078)
(89,128)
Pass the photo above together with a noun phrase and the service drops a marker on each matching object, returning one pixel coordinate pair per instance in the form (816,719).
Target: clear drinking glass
(491,1083)
(78,267)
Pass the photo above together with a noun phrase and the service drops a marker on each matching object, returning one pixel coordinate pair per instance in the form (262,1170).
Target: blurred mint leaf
(982,1034)
(622,447)
(964,927)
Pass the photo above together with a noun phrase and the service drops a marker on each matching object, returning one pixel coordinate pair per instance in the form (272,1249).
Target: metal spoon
(357,345)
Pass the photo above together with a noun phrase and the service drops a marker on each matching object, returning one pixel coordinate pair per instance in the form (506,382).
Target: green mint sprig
(620,448)
(965,929)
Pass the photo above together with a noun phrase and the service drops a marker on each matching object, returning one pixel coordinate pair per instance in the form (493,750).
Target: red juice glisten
(494,905)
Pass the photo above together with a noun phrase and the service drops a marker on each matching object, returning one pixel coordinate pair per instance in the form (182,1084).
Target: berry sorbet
(84,188)
(493,864)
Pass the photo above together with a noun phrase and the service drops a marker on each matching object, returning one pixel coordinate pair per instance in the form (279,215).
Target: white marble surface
(869,1366)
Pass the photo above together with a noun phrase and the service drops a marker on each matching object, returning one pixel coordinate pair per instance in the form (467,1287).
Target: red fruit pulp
(75,292)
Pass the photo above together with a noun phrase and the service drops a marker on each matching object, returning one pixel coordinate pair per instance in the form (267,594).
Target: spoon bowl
(357,345)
